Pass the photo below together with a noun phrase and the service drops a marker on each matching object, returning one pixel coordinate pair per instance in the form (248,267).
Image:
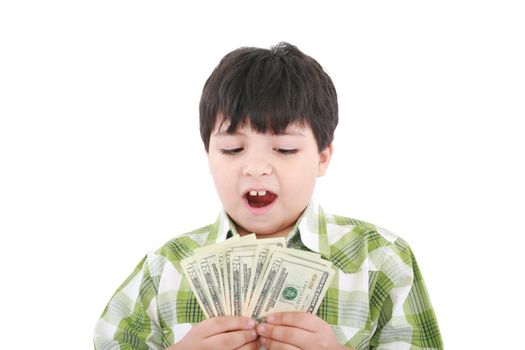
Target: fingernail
(261,329)
(270,318)
(262,340)
(251,323)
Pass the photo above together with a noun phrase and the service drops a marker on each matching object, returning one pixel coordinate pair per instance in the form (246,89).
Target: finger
(254,345)
(231,340)
(288,335)
(218,325)
(304,320)
(272,344)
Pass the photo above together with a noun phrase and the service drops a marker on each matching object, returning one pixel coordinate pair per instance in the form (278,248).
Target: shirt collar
(224,227)
(312,229)
(311,226)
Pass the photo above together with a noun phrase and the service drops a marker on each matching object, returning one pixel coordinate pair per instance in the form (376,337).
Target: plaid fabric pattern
(377,299)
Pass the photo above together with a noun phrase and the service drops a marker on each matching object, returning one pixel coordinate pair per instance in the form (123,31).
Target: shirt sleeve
(407,319)
(130,319)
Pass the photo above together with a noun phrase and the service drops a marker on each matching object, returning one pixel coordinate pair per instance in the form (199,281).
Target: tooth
(253,193)
(262,193)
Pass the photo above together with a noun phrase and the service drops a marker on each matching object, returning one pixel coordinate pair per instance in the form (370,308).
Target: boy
(267,119)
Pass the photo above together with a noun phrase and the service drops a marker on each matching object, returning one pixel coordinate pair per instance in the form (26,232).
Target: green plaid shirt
(377,299)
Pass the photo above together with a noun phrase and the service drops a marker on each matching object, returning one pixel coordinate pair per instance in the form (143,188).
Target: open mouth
(260,199)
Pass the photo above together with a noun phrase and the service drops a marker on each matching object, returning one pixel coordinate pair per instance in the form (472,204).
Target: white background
(101,158)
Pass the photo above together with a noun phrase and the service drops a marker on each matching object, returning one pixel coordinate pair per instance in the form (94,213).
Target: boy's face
(247,164)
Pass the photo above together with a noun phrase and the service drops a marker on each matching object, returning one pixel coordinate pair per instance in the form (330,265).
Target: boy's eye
(231,151)
(286,151)
(237,150)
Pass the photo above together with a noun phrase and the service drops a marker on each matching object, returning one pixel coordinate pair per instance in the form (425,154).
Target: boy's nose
(257,167)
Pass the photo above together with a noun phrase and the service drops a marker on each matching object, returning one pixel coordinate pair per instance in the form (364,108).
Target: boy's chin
(257,229)
(263,231)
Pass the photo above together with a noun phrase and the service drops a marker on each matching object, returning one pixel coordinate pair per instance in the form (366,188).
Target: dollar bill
(218,264)
(242,267)
(203,271)
(260,263)
(305,255)
(234,269)
(290,283)
(190,268)
(208,270)
(251,277)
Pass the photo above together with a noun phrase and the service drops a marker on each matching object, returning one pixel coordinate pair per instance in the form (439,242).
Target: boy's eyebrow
(292,133)
(239,133)
(224,133)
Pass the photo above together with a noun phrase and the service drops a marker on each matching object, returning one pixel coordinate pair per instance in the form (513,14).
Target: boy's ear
(324,159)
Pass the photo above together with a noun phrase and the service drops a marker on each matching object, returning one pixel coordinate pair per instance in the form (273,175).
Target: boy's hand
(297,330)
(225,332)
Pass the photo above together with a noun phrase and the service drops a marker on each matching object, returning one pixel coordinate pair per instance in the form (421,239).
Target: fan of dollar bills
(255,277)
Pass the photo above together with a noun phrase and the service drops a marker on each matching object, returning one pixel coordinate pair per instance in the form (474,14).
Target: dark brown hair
(273,89)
